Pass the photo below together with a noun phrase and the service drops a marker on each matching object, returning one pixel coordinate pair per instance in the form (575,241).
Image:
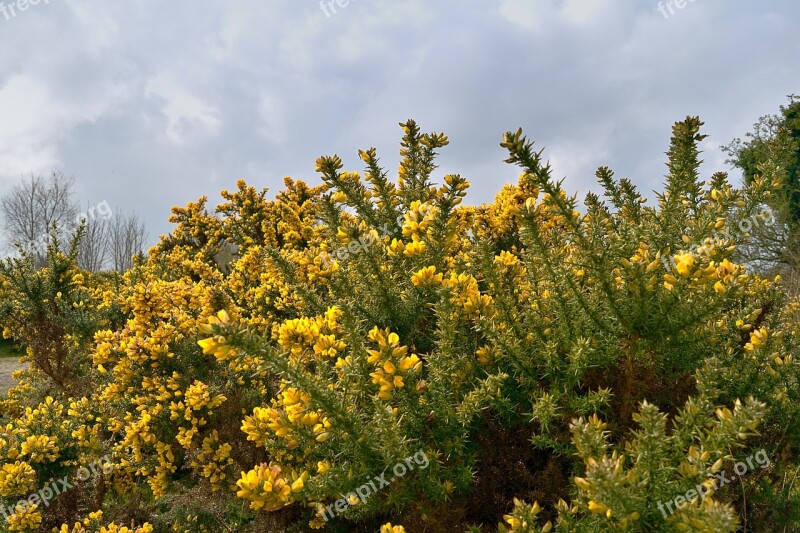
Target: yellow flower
(40,448)
(328,346)
(757,338)
(582,483)
(596,507)
(426,276)
(25,518)
(266,487)
(719,288)
(486,354)
(217,346)
(415,247)
(409,363)
(396,247)
(683,264)
(466,294)
(222,318)
(16,478)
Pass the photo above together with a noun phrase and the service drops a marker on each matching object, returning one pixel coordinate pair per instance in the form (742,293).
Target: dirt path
(7,367)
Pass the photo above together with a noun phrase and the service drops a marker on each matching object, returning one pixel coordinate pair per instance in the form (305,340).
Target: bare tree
(127,237)
(93,250)
(35,207)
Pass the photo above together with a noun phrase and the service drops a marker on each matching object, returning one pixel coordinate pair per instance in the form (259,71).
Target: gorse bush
(375,353)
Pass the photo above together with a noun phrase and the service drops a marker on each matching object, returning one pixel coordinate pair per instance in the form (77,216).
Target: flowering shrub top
(568,367)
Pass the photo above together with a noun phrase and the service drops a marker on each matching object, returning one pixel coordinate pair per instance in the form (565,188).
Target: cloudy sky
(150,104)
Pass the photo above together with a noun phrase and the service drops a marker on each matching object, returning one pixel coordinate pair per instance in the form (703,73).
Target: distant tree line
(42,207)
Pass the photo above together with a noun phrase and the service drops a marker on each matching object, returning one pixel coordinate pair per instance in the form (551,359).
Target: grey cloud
(152,104)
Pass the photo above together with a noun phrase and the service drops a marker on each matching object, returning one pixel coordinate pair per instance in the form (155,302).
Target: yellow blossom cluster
(214,460)
(268,487)
(722,276)
(288,418)
(466,295)
(392,362)
(16,478)
(417,224)
(427,277)
(94,524)
(312,337)
(216,345)
(25,518)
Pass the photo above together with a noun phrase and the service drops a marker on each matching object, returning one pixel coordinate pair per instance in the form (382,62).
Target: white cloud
(273,125)
(186,114)
(35,120)
(543,14)
(577,160)
(582,12)
(371,32)
(98,24)
(526,13)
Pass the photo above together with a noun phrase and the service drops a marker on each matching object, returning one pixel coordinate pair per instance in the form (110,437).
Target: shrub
(376,353)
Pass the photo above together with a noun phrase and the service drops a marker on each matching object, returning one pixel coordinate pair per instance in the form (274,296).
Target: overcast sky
(150,104)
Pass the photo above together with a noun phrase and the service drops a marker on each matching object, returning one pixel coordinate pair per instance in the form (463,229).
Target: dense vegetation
(773,147)
(371,353)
